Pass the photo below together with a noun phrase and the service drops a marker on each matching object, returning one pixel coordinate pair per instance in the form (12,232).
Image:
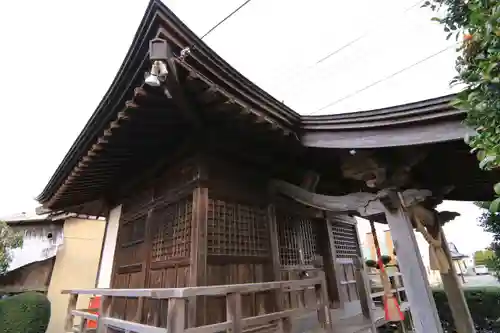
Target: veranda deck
(314,316)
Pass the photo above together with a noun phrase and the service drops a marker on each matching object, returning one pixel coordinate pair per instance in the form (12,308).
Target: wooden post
(234,312)
(138,311)
(198,269)
(332,268)
(456,299)
(364,292)
(176,315)
(73,299)
(104,311)
(422,305)
(324,315)
(83,326)
(284,325)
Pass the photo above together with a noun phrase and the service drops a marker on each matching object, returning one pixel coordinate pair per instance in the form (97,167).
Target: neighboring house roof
(24,217)
(37,244)
(455,254)
(47,216)
(33,276)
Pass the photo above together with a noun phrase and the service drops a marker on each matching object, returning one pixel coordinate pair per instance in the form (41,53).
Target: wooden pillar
(273,238)
(456,299)
(331,268)
(422,305)
(276,304)
(198,259)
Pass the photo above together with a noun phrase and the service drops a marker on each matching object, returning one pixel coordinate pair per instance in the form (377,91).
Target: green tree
(482,257)
(475,24)
(476,27)
(9,239)
(490,221)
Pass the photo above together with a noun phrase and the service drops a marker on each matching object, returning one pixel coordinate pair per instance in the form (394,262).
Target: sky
(59,58)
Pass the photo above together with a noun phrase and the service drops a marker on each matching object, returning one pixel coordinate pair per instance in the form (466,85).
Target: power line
(225,18)
(383,79)
(345,46)
(362,36)
(187,50)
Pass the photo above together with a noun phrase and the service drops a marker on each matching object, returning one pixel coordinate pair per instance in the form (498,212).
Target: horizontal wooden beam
(362,203)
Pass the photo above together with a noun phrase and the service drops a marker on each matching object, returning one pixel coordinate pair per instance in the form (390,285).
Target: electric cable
(225,18)
(187,50)
(362,36)
(383,79)
(367,33)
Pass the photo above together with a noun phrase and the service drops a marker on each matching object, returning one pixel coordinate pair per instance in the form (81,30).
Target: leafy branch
(9,239)
(478,21)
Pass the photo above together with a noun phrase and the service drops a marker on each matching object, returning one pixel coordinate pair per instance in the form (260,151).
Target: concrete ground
(481,281)
(474,281)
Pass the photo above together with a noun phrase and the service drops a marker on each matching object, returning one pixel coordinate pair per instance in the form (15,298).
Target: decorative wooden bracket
(177,91)
(362,203)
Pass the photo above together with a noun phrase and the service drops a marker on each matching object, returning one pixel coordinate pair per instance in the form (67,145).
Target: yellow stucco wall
(76,266)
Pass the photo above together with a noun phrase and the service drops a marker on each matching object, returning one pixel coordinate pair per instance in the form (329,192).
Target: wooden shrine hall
(236,213)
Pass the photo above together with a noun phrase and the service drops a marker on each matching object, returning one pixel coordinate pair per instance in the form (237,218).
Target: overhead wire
(353,41)
(187,50)
(225,18)
(350,95)
(363,35)
(336,51)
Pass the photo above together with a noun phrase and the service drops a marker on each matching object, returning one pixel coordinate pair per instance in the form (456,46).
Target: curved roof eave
(155,12)
(423,122)
(100,117)
(427,121)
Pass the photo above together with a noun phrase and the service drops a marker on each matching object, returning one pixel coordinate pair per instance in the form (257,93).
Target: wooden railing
(397,286)
(178,299)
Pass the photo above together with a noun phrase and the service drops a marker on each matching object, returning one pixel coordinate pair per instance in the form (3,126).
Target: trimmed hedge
(484,305)
(26,313)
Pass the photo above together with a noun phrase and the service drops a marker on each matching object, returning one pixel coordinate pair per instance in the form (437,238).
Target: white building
(42,237)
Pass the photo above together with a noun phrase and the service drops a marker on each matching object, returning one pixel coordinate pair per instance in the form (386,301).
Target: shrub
(27,313)
(484,305)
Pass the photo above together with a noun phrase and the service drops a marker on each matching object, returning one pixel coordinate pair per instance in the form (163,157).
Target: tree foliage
(477,65)
(490,221)
(483,257)
(9,239)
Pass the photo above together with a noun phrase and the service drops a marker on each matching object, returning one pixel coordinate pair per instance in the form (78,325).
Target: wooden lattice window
(297,239)
(346,243)
(133,230)
(171,234)
(346,240)
(237,229)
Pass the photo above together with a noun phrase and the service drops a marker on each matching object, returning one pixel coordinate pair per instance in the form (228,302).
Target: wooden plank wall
(204,222)
(154,241)
(208,222)
(238,242)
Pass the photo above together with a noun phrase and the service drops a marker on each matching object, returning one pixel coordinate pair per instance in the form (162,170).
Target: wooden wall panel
(347,248)
(234,274)
(237,235)
(154,241)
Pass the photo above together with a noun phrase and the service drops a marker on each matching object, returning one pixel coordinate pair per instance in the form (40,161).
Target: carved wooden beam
(310,181)
(364,204)
(177,91)
(446,216)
